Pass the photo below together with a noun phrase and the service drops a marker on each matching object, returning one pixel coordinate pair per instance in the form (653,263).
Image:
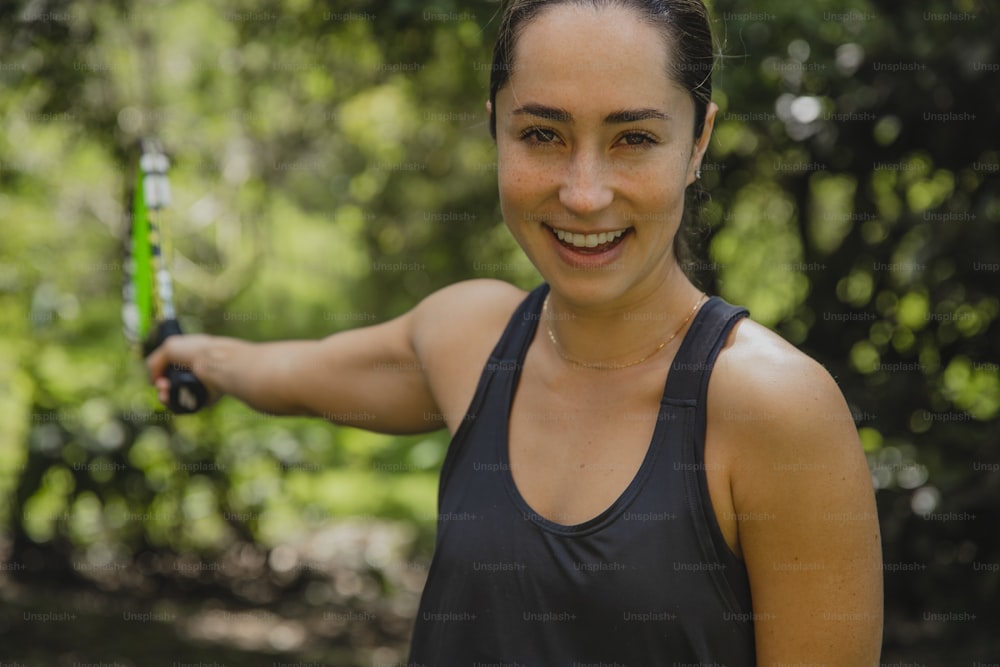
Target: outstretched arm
(399,376)
(369,377)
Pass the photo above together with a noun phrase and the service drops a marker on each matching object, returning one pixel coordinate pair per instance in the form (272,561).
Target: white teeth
(587,240)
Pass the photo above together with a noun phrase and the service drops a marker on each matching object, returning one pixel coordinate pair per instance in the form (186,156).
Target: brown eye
(539,135)
(638,139)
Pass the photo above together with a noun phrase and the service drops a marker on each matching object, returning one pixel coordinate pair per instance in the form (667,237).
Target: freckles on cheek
(512,181)
(510,193)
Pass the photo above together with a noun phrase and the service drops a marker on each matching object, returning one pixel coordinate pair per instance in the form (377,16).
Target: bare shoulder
(775,410)
(464,311)
(802,497)
(471,297)
(763,386)
(453,332)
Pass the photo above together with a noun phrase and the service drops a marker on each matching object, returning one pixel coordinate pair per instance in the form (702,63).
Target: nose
(585,187)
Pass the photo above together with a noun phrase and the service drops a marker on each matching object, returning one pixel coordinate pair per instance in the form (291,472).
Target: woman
(602,501)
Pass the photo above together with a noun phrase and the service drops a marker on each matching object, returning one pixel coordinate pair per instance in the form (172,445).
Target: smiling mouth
(589,243)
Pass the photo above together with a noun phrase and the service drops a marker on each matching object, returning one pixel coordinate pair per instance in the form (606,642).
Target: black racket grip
(187,393)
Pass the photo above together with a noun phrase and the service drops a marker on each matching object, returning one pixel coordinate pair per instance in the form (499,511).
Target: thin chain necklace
(609,366)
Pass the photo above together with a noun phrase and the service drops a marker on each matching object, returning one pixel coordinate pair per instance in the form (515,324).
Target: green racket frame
(148,313)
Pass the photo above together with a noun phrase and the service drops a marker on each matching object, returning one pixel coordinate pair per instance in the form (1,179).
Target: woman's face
(595,148)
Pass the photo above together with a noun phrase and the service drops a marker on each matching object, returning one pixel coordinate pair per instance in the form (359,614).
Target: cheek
(657,188)
(507,186)
(515,181)
(661,202)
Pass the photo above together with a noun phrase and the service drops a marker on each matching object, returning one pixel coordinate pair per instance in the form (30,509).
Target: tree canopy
(331,165)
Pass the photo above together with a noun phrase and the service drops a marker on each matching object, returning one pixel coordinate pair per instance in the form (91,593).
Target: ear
(491,121)
(701,145)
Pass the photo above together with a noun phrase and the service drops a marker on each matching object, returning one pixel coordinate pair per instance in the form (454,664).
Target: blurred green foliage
(332,165)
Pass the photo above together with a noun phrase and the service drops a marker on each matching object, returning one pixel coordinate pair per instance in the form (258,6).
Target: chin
(588,290)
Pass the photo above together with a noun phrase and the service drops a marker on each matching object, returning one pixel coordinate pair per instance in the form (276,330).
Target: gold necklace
(607,366)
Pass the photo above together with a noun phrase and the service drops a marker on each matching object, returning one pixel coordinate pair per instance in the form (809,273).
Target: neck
(633,331)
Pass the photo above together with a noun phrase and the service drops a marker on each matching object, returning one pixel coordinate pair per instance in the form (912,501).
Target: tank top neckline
(653,448)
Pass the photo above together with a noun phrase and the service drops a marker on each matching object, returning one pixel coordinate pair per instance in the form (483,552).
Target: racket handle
(187,393)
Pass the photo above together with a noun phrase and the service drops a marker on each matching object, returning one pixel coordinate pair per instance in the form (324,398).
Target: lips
(589,243)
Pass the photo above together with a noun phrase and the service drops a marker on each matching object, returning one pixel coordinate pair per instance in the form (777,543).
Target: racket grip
(187,393)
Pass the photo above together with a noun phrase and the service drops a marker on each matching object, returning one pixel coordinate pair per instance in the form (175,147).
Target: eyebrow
(562,116)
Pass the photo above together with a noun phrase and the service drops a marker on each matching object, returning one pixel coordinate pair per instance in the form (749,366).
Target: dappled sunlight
(332,168)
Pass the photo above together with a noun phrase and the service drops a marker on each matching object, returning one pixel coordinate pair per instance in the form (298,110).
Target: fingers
(162,385)
(178,350)
(171,351)
(156,364)
(185,351)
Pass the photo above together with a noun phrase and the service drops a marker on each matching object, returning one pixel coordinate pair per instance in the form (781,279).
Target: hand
(187,352)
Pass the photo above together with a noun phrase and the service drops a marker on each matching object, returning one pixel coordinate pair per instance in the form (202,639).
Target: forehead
(574,54)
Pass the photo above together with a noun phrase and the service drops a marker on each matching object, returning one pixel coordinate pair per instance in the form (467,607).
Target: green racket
(148,313)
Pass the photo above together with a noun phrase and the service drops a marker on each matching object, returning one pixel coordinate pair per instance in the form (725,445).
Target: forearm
(370,378)
(262,375)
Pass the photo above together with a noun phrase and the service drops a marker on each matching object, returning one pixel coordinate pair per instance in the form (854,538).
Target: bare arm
(808,528)
(394,377)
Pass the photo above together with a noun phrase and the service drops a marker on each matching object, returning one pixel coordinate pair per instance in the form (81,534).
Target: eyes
(631,139)
(538,135)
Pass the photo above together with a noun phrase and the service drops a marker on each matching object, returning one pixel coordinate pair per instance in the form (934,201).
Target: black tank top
(650,581)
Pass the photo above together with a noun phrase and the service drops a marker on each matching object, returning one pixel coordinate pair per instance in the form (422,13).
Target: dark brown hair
(686,26)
